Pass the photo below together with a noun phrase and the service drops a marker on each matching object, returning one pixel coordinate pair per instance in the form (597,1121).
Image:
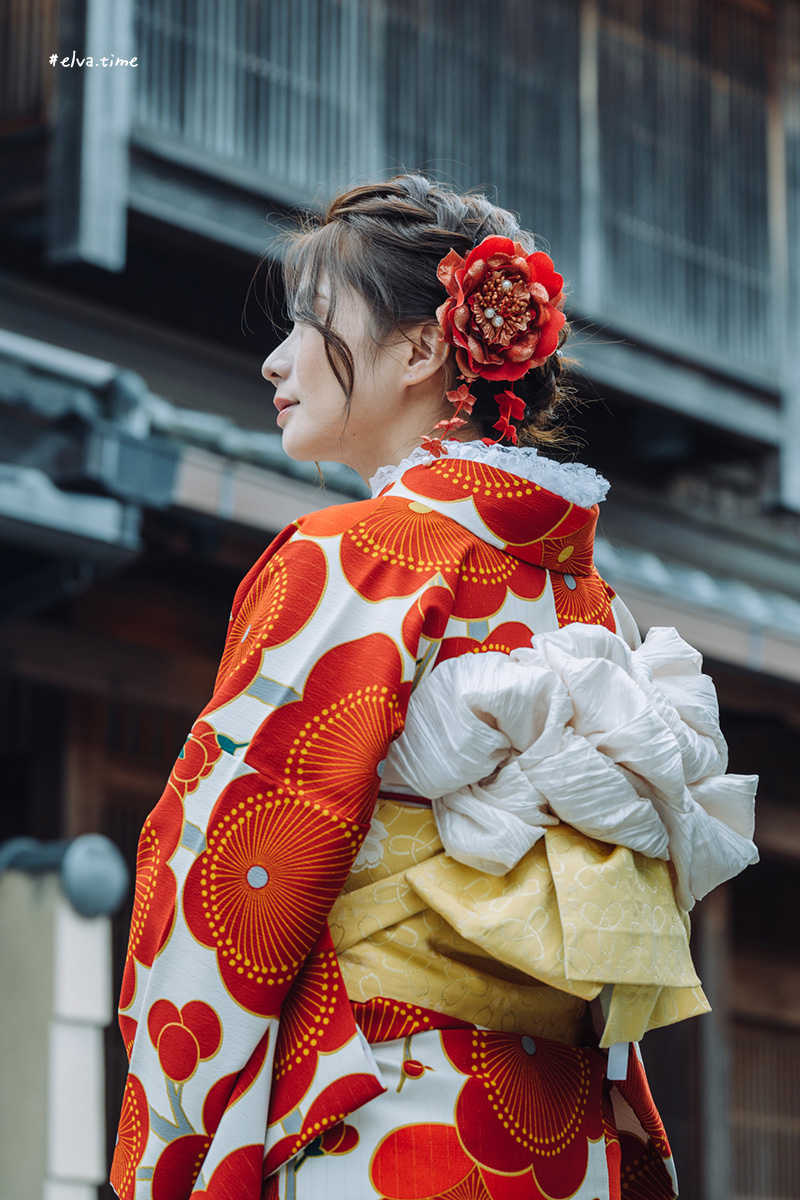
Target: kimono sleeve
(232,1006)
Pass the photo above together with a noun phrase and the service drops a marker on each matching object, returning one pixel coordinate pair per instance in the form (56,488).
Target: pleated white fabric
(624,745)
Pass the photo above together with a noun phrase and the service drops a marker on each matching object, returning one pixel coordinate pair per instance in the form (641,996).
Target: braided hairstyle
(385,240)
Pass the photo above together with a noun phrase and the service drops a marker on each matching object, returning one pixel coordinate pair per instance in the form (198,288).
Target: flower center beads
(501,308)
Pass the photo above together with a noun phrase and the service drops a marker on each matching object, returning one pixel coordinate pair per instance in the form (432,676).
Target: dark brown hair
(385,240)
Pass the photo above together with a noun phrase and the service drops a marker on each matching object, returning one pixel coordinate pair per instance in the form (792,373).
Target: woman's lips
(283,405)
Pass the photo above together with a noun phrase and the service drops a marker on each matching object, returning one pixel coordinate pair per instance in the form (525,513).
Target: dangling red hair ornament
(503,316)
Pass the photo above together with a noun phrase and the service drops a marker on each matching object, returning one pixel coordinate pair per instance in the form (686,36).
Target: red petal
(447,269)
(204,1023)
(488,247)
(162,1012)
(546,273)
(417,1161)
(548,338)
(178,1052)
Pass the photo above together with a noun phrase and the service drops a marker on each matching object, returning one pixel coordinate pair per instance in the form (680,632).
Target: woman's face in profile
(312,410)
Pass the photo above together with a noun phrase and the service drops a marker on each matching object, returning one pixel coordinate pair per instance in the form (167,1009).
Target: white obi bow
(622,744)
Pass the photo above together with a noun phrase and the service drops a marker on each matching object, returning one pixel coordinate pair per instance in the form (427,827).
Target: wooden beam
(85,663)
(765,990)
(680,387)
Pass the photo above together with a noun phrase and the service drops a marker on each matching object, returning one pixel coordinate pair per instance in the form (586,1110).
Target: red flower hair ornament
(503,316)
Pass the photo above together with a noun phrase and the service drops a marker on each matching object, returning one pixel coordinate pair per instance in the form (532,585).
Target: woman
(319,1001)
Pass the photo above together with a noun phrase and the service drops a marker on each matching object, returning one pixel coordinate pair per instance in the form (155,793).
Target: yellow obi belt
(522,952)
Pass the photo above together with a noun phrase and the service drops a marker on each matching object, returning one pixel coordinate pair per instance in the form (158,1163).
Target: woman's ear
(426,352)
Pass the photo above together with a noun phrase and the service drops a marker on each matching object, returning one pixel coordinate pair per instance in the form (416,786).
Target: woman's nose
(268,369)
(277,365)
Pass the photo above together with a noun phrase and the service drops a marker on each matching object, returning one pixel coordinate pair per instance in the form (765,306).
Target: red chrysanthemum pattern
(486,577)
(196,761)
(331,1106)
(273,865)
(643,1175)
(511,635)
(178,1166)
(427,618)
(134,1128)
(529,1103)
(499,499)
(239,1174)
(154,889)
(128,1027)
(316,1018)
(280,602)
(636,1090)
(583,598)
(334,738)
(385,1020)
(183,1037)
(439,1158)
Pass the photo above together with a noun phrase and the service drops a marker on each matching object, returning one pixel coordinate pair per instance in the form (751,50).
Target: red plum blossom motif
(385,1020)
(334,739)
(585,598)
(278,605)
(316,1018)
(154,889)
(196,760)
(499,497)
(259,893)
(134,1128)
(511,635)
(183,1037)
(528,1104)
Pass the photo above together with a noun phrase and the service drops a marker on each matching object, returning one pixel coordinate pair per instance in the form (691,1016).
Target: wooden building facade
(656,149)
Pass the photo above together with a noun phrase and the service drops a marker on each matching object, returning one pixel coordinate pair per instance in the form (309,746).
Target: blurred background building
(655,147)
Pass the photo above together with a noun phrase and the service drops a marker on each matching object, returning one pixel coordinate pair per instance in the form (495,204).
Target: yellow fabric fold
(523,951)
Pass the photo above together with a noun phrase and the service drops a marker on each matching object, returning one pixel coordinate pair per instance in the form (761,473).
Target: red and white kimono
(304,1014)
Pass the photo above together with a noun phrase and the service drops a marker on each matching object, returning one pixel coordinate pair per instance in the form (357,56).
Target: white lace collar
(573,481)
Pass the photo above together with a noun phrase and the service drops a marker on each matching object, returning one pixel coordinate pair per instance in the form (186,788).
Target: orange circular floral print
(239,1174)
(511,635)
(134,1129)
(504,502)
(583,598)
(273,865)
(439,1158)
(527,1103)
(345,1095)
(178,1166)
(643,1173)
(279,603)
(154,890)
(196,760)
(485,578)
(399,546)
(315,1019)
(333,740)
